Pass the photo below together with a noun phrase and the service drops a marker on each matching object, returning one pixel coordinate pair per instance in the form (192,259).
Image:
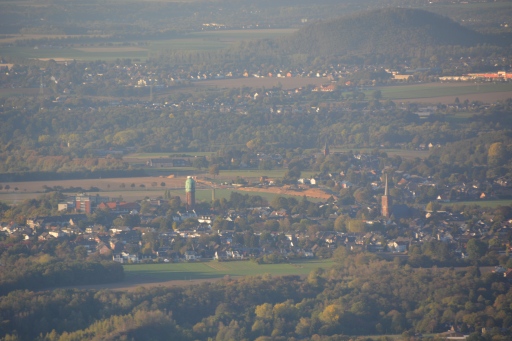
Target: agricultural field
(482,203)
(67,54)
(198,41)
(404,153)
(447,92)
(266,82)
(214,269)
(113,187)
(138,188)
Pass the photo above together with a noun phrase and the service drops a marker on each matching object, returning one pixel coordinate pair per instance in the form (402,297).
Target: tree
(377,95)
(339,224)
(433,206)
(496,155)
(131,220)
(476,249)
(355,226)
(200,162)
(213,170)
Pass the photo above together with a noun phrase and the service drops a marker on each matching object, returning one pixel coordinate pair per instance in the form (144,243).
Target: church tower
(386,201)
(326,149)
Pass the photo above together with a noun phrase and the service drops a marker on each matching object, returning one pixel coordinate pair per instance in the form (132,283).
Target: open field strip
(237,35)
(429,90)
(129,194)
(102,49)
(482,203)
(165,155)
(197,41)
(11,38)
(70,54)
(405,153)
(199,270)
(216,266)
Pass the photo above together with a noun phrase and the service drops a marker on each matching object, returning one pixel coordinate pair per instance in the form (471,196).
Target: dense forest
(59,140)
(360,296)
(390,32)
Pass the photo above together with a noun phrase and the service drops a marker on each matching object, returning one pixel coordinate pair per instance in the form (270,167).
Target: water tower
(190,191)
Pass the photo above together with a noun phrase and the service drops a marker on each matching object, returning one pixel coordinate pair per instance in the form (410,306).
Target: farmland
(446,92)
(138,188)
(481,203)
(213,269)
(197,41)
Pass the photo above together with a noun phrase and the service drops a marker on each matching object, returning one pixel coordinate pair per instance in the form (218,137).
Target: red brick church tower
(326,149)
(386,201)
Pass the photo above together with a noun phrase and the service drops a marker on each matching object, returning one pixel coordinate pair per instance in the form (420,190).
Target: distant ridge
(385,31)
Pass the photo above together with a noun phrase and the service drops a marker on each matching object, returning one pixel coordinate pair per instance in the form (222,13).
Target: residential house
(191,256)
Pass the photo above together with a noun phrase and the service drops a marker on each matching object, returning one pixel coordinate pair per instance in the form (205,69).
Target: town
(248,227)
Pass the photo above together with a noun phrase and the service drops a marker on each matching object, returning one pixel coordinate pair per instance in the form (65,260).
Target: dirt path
(310,192)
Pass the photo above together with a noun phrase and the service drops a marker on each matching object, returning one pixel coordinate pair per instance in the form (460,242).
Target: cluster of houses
(202,241)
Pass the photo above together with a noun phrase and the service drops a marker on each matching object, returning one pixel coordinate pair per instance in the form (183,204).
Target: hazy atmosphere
(327,170)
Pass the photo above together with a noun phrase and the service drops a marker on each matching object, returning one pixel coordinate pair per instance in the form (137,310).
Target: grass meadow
(72,53)
(404,153)
(482,203)
(197,41)
(136,194)
(441,90)
(214,269)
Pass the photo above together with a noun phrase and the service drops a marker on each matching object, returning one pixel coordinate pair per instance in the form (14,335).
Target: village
(290,227)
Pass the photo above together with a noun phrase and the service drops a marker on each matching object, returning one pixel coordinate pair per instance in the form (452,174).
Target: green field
(164,155)
(197,41)
(214,269)
(405,153)
(71,53)
(439,90)
(482,203)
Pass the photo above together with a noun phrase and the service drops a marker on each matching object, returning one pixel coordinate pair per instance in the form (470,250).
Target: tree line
(359,296)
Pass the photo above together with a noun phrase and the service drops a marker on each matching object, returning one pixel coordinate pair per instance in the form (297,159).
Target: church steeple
(326,149)
(386,201)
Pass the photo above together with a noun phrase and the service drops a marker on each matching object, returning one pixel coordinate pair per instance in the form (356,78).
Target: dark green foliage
(362,297)
(390,32)
(57,273)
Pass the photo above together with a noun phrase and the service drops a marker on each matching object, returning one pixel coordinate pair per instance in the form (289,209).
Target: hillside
(386,31)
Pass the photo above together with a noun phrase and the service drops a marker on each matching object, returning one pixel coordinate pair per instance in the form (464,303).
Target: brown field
(485,98)
(11,38)
(108,187)
(57,60)
(110,49)
(285,190)
(267,82)
(19,91)
(143,282)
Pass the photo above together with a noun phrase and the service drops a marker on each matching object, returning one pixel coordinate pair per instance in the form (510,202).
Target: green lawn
(70,53)
(437,90)
(482,203)
(138,194)
(214,269)
(256,173)
(197,41)
(405,153)
(164,155)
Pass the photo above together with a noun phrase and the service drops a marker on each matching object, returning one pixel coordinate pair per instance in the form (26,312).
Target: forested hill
(385,31)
